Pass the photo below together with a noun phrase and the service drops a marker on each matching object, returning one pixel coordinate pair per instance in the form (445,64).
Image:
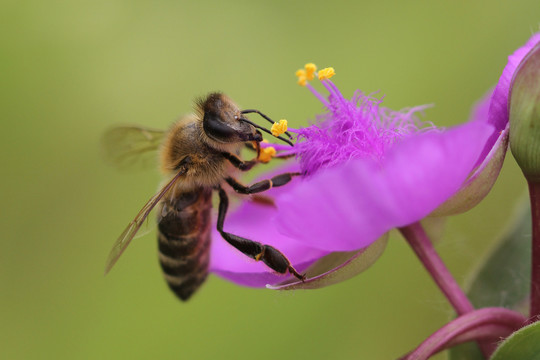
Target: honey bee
(200,154)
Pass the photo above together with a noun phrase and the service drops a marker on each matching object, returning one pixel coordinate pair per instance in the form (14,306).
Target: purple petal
(480,113)
(256,278)
(498,110)
(486,170)
(499,103)
(493,109)
(350,206)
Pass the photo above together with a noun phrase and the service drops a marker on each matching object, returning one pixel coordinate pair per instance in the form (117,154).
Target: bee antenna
(265,130)
(251,111)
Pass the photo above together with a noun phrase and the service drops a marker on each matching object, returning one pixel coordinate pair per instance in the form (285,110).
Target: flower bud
(525,115)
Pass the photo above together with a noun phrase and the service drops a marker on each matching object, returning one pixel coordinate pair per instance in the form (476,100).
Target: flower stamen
(311,68)
(352,128)
(326,73)
(302,77)
(305,74)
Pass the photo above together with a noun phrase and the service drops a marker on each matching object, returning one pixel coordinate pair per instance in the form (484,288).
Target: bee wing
(127,235)
(132,147)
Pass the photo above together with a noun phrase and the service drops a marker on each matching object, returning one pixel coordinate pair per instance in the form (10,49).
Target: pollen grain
(311,68)
(326,73)
(267,154)
(279,128)
(302,77)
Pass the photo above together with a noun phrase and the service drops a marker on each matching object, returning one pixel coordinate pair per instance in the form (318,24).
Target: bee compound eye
(217,129)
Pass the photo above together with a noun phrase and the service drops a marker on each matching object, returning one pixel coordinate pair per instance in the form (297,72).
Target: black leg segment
(239,163)
(272,257)
(278,180)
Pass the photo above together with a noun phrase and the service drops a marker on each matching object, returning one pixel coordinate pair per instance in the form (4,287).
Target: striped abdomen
(184,240)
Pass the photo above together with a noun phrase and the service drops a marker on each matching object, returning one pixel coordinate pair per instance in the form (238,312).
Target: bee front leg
(271,256)
(239,163)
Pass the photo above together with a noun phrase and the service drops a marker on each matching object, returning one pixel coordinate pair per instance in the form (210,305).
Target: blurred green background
(71,69)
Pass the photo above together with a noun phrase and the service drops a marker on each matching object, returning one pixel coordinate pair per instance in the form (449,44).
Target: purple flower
(367,169)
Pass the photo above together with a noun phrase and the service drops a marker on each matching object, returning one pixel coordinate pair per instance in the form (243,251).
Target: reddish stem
(422,246)
(534,193)
(486,323)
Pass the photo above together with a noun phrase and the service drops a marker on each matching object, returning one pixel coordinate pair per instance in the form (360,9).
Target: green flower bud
(525,115)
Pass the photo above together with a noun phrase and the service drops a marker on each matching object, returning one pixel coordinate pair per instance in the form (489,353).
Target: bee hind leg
(271,256)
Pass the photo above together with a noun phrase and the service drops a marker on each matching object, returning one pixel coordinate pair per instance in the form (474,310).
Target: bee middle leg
(278,180)
(271,256)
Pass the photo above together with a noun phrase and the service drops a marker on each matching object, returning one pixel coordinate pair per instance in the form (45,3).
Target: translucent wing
(132,147)
(125,238)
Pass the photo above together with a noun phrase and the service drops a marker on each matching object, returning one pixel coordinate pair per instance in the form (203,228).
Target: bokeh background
(71,69)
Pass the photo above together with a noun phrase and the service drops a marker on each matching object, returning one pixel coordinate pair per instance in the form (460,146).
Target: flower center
(351,129)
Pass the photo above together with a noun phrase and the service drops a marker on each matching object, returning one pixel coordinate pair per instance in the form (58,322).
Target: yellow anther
(326,73)
(266,154)
(279,128)
(302,77)
(310,70)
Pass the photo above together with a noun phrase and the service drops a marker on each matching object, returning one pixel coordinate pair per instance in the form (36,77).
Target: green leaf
(503,278)
(524,344)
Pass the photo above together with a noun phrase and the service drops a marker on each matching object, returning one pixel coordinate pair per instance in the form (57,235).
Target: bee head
(221,121)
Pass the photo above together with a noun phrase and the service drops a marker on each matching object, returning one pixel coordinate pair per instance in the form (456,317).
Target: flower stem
(487,323)
(422,246)
(534,193)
